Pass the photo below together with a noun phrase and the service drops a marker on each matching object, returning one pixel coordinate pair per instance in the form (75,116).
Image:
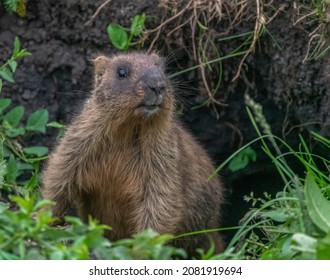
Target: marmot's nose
(157,85)
(155,81)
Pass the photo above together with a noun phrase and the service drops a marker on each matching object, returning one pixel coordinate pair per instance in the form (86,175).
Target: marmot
(128,162)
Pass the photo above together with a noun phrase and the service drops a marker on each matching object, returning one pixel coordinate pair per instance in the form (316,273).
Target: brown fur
(131,170)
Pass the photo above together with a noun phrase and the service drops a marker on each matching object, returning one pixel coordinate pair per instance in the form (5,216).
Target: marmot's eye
(121,72)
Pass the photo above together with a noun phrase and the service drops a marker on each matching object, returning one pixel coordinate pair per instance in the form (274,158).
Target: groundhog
(128,162)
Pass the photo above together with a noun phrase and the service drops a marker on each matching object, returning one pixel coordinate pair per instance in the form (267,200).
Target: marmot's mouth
(149,110)
(150,107)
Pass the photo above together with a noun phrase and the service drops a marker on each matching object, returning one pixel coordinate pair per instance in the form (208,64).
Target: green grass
(295,224)
(315,14)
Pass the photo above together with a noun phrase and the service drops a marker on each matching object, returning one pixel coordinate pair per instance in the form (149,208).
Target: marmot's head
(133,86)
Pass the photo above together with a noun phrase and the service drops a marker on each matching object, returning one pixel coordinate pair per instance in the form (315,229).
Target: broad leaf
(6,152)
(12,171)
(57,255)
(22,166)
(137,25)
(279,215)
(26,204)
(23,53)
(3,171)
(304,241)
(13,65)
(36,151)
(6,74)
(42,203)
(118,36)
(3,207)
(323,248)
(4,103)
(17,46)
(56,125)
(242,159)
(14,116)
(37,121)
(14,132)
(34,254)
(317,205)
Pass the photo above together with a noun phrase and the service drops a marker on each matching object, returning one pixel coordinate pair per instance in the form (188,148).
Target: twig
(170,19)
(237,130)
(280,9)
(301,125)
(178,27)
(90,21)
(154,40)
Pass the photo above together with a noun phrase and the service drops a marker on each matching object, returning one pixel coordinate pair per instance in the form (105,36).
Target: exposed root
(163,24)
(236,131)
(90,21)
(260,21)
(202,16)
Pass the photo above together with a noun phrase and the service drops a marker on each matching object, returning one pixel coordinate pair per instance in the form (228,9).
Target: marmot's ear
(101,63)
(159,60)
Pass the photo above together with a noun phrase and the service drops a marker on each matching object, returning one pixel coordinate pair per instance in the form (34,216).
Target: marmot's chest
(132,195)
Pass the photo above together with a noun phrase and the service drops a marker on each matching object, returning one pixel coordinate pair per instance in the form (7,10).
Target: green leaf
(34,254)
(304,241)
(26,204)
(323,248)
(57,255)
(3,171)
(13,132)
(42,203)
(21,249)
(282,251)
(22,53)
(318,206)
(6,74)
(238,162)
(17,46)
(250,153)
(55,234)
(118,36)
(6,151)
(242,159)
(32,184)
(37,121)
(137,25)
(12,171)
(22,166)
(13,65)
(8,256)
(278,215)
(3,207)
(2,139)
(56,125)
(14,116)
(0,85)
(36,151)
(4,103)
